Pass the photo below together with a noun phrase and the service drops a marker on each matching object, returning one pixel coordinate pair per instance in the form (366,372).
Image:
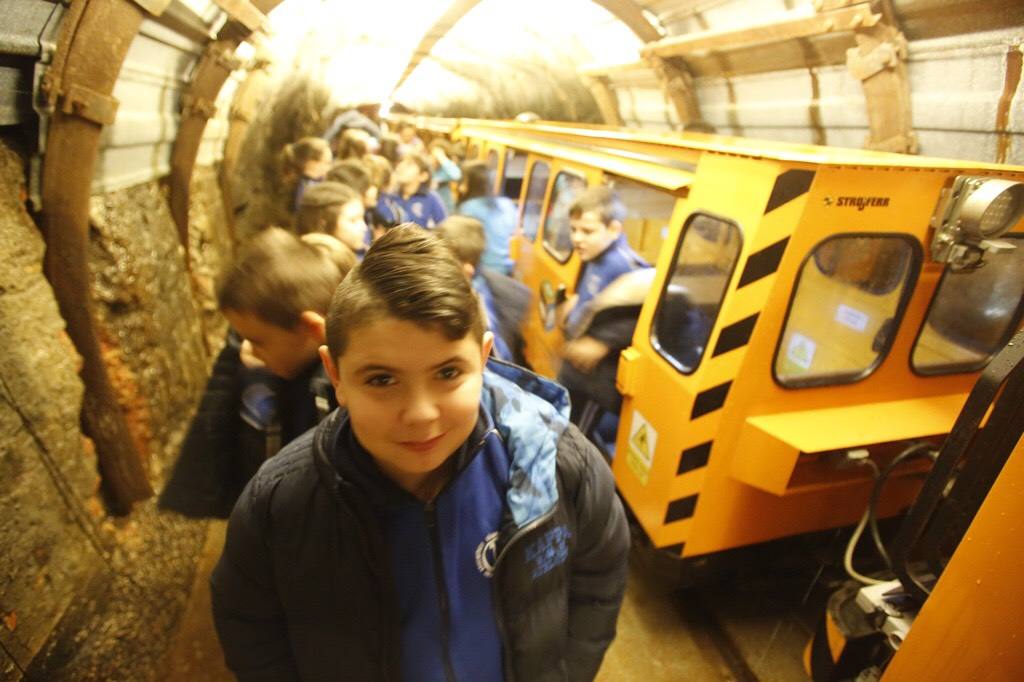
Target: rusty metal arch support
(198,104)
(604,95)
(94,40)
(879,62)
(243,111)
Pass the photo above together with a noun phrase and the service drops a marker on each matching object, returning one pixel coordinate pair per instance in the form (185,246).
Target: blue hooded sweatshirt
(442,553)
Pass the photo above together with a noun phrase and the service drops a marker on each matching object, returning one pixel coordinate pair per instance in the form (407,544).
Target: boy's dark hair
(352,144)
(444,144)
(380,170)
(602,199)
(422,161)
(465,237)
(295,155)
(389,147)
(477,179)
(321,205)
(352,173)
(277,276)
(411,275)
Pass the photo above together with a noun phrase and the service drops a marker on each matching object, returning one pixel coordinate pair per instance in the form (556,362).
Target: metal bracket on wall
(84,102)
(197,107)
(886,55)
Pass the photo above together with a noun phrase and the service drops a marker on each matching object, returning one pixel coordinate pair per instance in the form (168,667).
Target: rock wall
(48,477)
(84,595)
(299,106)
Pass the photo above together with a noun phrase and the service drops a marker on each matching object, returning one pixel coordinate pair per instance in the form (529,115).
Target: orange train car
(846,300)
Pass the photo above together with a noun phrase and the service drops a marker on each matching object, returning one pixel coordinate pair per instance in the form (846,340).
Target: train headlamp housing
(971,216)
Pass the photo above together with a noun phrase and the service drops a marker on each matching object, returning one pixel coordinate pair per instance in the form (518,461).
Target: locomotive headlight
(971,216)
(989,211)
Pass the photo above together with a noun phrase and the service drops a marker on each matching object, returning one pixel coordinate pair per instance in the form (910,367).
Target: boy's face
(408,172)
(413,396)
(317,168)
(285,352)
(351,227)
(590,236)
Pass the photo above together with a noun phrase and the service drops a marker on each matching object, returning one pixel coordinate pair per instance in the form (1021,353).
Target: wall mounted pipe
(94,39)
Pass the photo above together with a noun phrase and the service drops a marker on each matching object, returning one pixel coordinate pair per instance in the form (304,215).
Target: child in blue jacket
(414,197)
(591,353)
(447,524)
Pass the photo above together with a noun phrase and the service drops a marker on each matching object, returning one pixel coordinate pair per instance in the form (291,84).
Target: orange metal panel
(769,445)
(970,626)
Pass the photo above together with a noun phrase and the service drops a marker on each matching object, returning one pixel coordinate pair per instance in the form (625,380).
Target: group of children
(407,502)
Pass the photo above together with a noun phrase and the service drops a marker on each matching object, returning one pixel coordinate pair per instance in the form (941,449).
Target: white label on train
(642,441)
(852,318)
(800,350)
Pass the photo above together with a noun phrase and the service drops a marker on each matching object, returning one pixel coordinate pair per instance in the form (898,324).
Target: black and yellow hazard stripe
(765,255)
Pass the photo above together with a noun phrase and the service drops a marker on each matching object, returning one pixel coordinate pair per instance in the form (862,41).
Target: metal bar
(94,41)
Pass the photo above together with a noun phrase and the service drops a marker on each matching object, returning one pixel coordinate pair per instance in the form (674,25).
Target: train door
(664,378)
(530,208)
(552,266)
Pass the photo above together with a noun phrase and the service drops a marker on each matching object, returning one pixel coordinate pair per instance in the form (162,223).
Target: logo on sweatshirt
(548,551)
(486,554)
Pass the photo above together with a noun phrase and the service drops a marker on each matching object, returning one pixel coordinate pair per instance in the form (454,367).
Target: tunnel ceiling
(498,54)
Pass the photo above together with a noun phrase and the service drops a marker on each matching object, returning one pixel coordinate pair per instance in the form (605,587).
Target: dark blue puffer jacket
(304,588)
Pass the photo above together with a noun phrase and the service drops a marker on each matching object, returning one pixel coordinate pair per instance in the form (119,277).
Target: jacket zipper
(430,514)
(499,616)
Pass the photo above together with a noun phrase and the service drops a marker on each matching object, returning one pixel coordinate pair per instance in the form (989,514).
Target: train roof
(603,138)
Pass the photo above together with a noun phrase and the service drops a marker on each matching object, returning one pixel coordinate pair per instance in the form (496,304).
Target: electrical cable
(858,531)
(923,449)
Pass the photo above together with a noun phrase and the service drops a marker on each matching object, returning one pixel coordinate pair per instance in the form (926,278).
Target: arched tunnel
(139,146)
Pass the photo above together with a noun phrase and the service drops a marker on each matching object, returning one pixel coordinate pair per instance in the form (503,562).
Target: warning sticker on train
(642,441)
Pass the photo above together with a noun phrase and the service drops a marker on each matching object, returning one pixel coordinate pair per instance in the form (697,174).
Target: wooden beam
(632,15)
(880,62)
(677,82)
(844,19)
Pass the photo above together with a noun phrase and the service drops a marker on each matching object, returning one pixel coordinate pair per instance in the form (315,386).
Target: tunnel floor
(751,625)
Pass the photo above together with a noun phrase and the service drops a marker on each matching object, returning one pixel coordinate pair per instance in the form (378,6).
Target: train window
(972,315)
(539,173)
(692,297)
(515,166)
(648,213)
(557,240)
(846,307)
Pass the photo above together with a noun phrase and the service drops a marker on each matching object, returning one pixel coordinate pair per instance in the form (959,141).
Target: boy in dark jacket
(450,524)
(267,385)
(594,341)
